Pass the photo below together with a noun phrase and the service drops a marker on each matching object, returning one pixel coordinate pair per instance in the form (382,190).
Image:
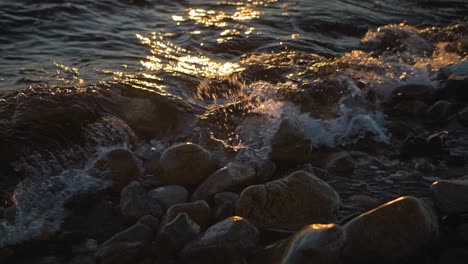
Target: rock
(126,246)
(439,112)
(120,253)
(169,195)
(264,168)
(232,239)
(432,147)
(186,164)
(340,162)
(177,233)
(136,233)
(453,256)
(85,247)
(394,230)
(122,165)
(315,243)
(451,196)
(463,116)
(456,87)
(293,201)
(363,201)
(423,165)
(135,203)
(2,210)
(414,91)
(149,221)
(235,175)
(411,107)
(225,204)
(289,143)
(10,213)
(198,211)
(82,259)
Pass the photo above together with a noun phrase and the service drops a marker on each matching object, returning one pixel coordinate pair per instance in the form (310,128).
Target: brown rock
(290,202)
(122,165)
(340,162)
(186,164)
(451,196)
(198,211)
(234,175)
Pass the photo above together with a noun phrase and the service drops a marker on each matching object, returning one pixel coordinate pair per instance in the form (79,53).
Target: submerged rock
(289,143)
(340,162)
(451,196)
(135,203)
(198,211)
(122,165)
(229,240)
(293,201)
(169,195)
(233,175)
(186,164)
(394,230)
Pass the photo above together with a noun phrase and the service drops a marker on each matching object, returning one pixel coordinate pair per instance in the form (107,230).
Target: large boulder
(317,243)
(451,196)
(169,195)
(289,143)
(394,230)
(233,175)
(186,164)
(227,241)
(122,166)
(198,211)
(296,200)
(135,203)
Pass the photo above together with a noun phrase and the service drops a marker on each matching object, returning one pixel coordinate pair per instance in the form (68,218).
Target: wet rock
(394,230)
(82,259)
(135,203)
(363,201)
(169,195)
(199,211)
(149,221)
(235,175)
(229,240)
(289,143)
(126,246)
(451,196)
(177,233)
(433,146)
(463,116)
(264,168)
(414,91)
(315,243)
(85,247)
(122,165)
(340,162)
(293,201)
(456,86)
(423,165)
(186,164)
(2,210)
(439,112)
(225,204)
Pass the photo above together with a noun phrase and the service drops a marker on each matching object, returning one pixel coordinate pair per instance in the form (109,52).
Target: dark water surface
(77,42)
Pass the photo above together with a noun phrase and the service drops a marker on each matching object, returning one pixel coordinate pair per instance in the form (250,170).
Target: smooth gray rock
(169,195)
(227,241)
(135,203)
(177,233)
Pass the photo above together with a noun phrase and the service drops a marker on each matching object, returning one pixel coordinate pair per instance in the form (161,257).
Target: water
(79,42)
(239,67)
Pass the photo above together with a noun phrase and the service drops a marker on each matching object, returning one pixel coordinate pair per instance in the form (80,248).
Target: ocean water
(241,66)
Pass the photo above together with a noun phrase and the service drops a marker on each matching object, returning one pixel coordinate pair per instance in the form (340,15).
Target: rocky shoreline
(186,198)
